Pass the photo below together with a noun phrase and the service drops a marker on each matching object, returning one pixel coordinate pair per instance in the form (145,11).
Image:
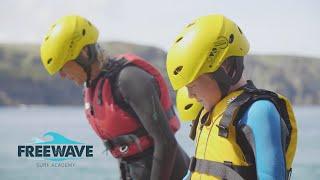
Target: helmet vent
(71,44)
(191,24)
(89,23)
(179,39)
(231,38)
(213,52)
(239,30)
(49,61)
(46,38)
(188,106)
(178,70)
(83,32)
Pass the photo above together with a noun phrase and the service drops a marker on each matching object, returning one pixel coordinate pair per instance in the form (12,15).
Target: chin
(207,107)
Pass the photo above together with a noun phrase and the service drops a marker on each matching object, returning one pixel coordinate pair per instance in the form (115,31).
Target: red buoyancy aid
(122,132)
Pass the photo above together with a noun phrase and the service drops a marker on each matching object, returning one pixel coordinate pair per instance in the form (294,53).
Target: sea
(24,124)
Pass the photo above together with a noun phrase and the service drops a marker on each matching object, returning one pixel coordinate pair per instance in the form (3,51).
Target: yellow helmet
(65,40)
(188,108)
(202,47)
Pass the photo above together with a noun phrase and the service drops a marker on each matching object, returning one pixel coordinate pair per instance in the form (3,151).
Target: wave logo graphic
(58,148)
(56,139)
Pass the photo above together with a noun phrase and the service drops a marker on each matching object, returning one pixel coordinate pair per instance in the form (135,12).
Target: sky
(290,27)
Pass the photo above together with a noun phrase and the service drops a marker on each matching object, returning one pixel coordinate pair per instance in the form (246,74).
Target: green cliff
(24,81)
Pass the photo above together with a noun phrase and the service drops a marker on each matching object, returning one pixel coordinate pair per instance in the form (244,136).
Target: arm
(140,91)
(264,124)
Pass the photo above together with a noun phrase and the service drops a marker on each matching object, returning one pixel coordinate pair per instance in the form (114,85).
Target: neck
(95,71)
(239,84)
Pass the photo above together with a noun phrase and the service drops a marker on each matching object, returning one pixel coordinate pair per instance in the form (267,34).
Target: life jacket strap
(227,117)
(194,125)
(250,94)
(126,140)
(109,71)
(170,113)
(224,170)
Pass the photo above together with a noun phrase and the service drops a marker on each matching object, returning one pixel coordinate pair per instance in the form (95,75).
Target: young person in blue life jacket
(126,100)
(240,131)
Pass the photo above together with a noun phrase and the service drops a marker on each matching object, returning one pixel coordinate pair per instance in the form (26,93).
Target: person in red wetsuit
(126,100)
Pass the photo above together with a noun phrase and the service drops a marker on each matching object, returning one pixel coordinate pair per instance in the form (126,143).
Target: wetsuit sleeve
(264,124)
(141,92)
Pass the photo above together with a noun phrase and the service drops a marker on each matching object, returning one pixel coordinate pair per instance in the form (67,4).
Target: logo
(221,43)
(58,148)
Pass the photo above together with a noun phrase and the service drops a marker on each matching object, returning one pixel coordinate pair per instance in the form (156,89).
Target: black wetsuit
(166,159)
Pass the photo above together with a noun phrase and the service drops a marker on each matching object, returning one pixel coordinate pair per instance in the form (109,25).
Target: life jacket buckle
(192,164)
(123,149)
(223,131)
(228,163)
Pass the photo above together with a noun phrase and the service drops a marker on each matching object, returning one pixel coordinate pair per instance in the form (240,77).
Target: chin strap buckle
(289,172)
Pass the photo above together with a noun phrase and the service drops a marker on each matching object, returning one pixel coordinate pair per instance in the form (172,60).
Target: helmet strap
(226,79)
(86,63)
